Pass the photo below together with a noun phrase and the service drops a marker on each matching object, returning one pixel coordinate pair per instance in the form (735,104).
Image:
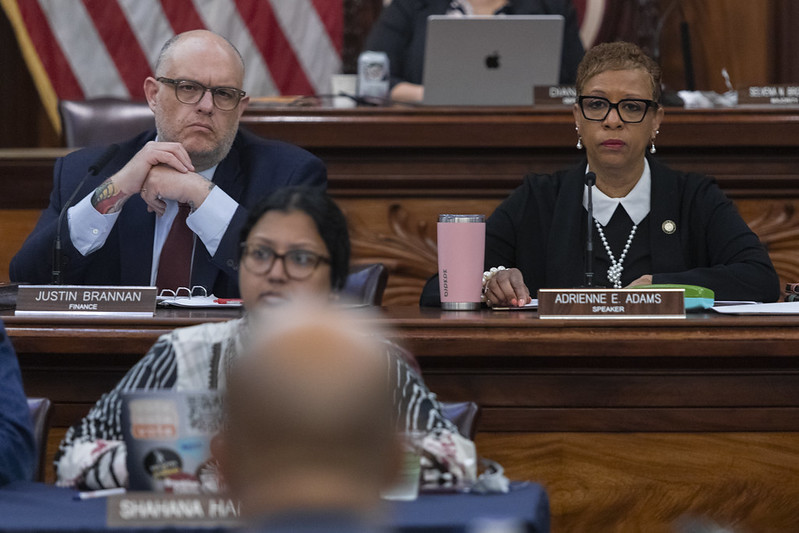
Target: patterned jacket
(93,454)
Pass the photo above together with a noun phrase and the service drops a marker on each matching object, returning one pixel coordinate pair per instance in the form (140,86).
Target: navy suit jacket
(253,169)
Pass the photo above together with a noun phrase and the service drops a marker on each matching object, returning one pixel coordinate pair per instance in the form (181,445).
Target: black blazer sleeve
(720,250)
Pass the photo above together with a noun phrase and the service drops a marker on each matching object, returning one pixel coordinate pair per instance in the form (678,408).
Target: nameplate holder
(554,95)
(611,303)
(85,300)
(153,509)
(772,95)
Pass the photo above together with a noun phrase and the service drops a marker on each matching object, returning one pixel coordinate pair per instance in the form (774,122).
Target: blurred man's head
(309,419)
(205,122)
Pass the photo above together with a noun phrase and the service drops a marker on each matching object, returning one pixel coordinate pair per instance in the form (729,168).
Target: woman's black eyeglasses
(298,264)
(630,110)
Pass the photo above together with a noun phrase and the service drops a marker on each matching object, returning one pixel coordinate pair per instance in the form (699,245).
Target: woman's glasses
(298,264)
(630,110)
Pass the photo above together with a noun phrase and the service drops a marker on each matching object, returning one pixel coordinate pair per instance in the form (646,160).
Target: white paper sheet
(778,308)
(198,301)
(532,306)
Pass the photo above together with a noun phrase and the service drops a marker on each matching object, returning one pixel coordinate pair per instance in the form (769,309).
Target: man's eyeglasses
(191,92)
(298,264)
(630,110)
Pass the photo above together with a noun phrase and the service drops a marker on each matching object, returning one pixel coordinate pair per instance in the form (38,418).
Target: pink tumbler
(461,247)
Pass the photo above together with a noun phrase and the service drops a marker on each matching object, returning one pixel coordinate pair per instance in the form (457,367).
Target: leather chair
(101,121)
(40,409)
(366,284)
(465,415)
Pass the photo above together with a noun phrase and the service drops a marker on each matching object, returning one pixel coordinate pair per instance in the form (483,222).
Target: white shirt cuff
(89,228)
(211,220)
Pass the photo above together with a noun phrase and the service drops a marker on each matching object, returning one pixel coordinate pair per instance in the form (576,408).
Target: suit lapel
(565,266)
(228,177)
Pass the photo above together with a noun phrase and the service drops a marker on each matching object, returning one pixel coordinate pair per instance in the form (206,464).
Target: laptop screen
(489,60)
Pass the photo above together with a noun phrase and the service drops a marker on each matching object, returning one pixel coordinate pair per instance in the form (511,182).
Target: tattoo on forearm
(108,198)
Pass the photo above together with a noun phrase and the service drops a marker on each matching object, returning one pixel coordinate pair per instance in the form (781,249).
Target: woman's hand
(643,280)
(507,289)
(407,92)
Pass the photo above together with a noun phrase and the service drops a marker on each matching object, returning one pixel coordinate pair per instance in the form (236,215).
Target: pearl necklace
(616,267)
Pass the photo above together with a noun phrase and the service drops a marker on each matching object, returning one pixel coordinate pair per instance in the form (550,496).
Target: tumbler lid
(461,218)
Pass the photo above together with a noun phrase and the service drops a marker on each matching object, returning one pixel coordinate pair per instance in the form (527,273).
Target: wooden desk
(704,373)
(393,170)
(627,423)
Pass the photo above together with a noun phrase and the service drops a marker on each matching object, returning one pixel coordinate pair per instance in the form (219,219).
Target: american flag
(78,49)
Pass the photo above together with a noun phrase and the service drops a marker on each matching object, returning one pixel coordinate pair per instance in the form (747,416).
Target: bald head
(196,38)
(309,408)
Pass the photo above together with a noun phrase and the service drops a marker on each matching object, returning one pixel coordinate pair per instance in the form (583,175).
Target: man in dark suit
(199,161)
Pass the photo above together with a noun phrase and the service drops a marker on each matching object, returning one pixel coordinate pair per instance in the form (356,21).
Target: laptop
(168,438)
(485,60)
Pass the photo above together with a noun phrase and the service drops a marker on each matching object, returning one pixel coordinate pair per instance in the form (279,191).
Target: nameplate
(776,95)
(554,95)
(611,303)
(85,300)
(152,509)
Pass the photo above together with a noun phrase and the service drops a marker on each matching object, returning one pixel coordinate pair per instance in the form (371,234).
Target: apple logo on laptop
(492,61)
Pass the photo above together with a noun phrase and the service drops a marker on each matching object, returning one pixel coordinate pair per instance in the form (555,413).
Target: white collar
(636,203)
(208,173)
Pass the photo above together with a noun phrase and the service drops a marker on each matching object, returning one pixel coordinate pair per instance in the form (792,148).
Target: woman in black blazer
(651,224)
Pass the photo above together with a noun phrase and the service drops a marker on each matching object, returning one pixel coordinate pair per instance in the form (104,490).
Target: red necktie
(174,267)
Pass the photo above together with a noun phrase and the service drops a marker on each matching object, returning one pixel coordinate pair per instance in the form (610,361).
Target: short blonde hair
(619,55)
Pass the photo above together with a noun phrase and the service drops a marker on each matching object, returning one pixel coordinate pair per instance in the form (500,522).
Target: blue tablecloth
(39,507)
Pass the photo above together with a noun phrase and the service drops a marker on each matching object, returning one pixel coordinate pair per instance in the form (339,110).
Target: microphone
(590,181)
(94,169)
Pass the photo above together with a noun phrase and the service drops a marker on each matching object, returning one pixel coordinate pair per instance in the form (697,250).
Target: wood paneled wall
(734,34)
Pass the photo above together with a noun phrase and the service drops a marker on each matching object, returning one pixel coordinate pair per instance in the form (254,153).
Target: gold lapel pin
(668,227)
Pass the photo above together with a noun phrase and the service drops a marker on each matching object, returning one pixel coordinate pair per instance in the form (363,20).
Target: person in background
(294,244)
(401,32)
(184,189)
(308,441)
(651,224)
(17,446)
